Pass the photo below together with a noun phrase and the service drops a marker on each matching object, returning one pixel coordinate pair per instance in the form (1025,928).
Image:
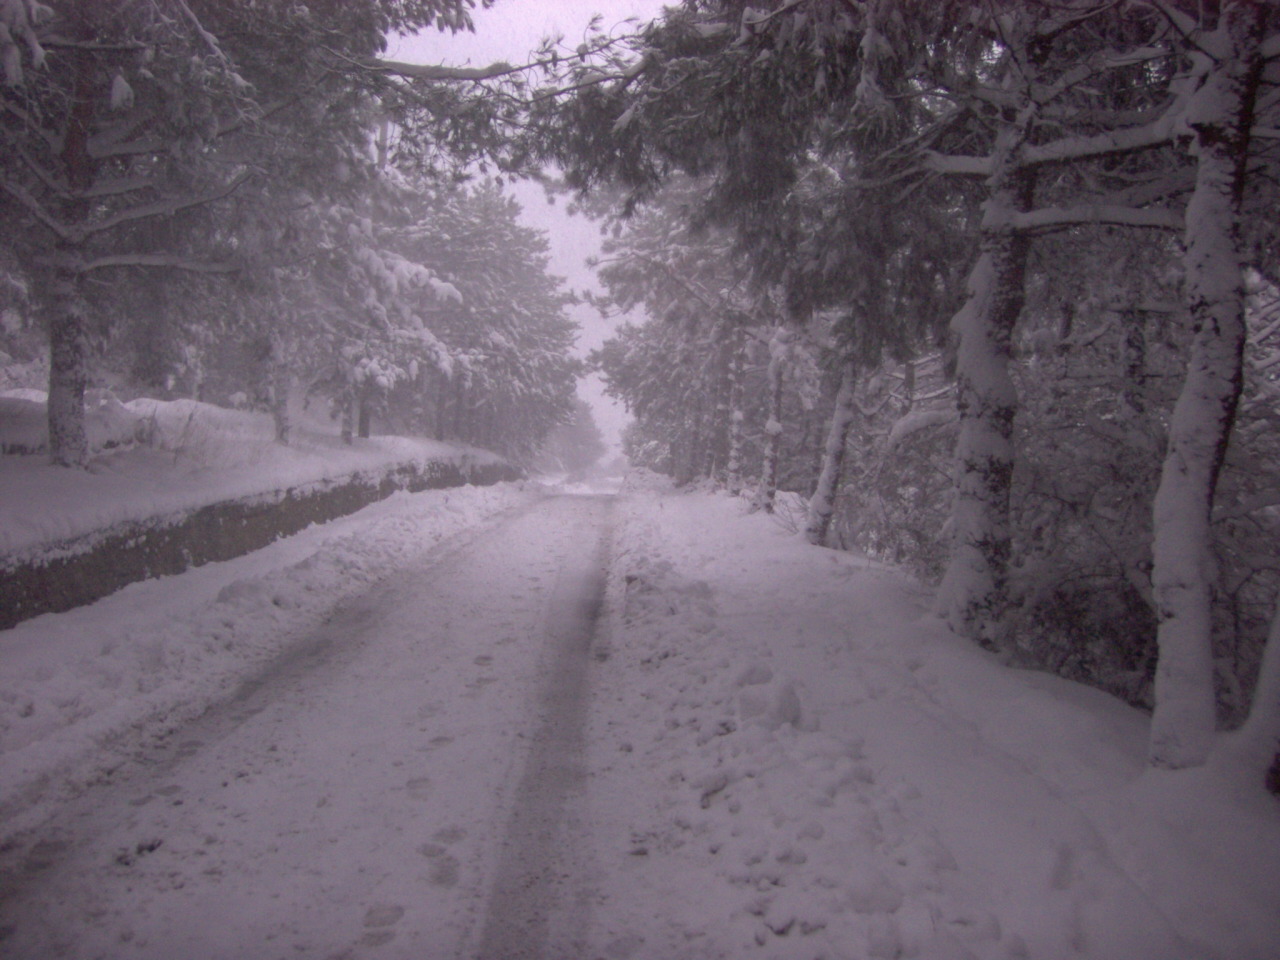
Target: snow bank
(190,454)
(24,423)
(159,652)
(793,761)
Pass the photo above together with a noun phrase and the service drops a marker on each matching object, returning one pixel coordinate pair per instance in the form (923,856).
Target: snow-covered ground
(784,758)
(79,689)
(156,458)
(792,760)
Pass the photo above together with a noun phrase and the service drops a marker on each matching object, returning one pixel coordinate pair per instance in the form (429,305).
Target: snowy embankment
(791,760)
(165,458)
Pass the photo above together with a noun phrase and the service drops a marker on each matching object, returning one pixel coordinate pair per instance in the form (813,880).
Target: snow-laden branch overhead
(959,165)
(1154,134)
(33,207)
(162,208)
(1056,218)
(173,261)
(425,71)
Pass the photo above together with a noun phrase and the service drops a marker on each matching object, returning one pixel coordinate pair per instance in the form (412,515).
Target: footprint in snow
(377,921)
(445,868)
(383,915)
(449,835)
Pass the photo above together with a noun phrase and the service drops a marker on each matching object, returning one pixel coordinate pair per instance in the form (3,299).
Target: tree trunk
(68,371)
(733,464)
(973,596)
(68,317)
(1134,353)
(348,417)
(1220,113)
(767,492)
(822,503)
(441,407)
(281,382)
(460,430)
(363,421)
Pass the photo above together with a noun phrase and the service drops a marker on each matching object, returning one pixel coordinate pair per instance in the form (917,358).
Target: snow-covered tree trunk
(822,503)
(68,370)
(1220,114)
(779,347)
(973,596)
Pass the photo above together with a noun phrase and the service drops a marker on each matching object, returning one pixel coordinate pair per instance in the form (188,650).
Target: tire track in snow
(346,805)
(540,897)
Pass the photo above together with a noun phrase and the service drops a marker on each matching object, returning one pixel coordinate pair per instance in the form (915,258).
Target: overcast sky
(508,31)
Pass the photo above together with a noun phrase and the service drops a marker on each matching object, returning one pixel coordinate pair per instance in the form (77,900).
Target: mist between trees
(991,285)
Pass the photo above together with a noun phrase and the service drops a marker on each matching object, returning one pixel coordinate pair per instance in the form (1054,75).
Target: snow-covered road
(750,747)
(403,783)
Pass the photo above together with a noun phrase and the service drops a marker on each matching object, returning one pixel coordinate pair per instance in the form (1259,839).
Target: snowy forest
(992,286)
(226,201)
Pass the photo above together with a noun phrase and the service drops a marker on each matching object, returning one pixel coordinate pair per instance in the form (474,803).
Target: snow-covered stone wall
(63,574)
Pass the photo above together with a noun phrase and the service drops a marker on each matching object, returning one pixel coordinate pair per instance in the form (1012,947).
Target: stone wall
(71,573)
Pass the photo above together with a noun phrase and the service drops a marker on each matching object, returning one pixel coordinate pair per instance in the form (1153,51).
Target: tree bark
(363,421)
(281,382)
(822,503)
(733,464)
(767,492)
(1220,114)
(68,370)
(460,419)
(973,597)
(68,313)
(348,416)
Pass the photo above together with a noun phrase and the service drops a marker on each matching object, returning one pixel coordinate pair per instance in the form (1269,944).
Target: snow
(787,756)
(157,653)
(158,458)
(798,762)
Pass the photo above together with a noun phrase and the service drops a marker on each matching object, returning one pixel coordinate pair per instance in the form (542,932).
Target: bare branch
(33,206)
(44,176)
